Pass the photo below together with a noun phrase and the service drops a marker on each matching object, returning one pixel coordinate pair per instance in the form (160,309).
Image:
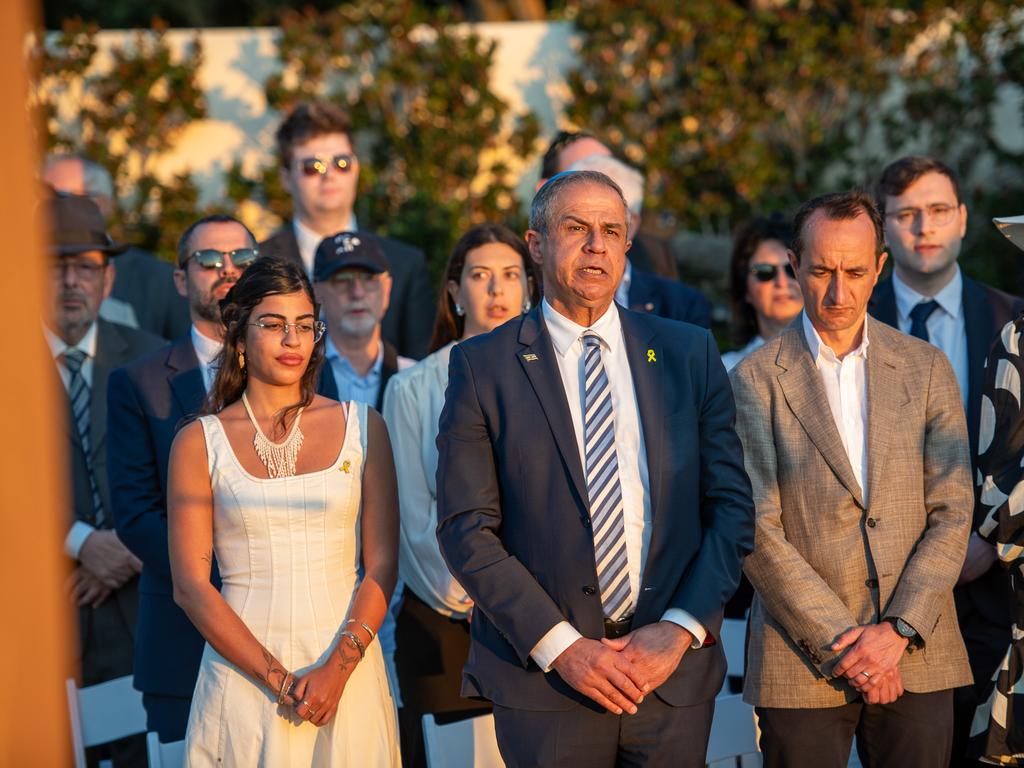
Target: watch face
(904,629)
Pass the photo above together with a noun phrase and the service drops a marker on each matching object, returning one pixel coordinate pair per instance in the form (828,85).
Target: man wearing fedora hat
(85,350)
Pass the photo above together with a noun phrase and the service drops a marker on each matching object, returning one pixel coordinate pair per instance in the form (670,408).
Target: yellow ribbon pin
(345,465)
(650,356)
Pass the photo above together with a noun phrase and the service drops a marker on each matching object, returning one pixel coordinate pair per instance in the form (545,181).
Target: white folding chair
(169,755)
(102,713)
(733,731)
(466,744)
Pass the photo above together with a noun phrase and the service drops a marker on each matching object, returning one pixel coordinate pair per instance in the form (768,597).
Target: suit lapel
(185,376)
(887,395)
(979,322)
(537,358)
(111,351)
(882,305)
(803,390)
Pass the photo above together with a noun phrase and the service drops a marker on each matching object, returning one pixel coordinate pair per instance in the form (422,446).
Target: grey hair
(629,179)
(540,208)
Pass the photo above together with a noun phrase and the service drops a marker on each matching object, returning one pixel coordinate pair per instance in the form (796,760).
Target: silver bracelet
(369,631)
(355,641)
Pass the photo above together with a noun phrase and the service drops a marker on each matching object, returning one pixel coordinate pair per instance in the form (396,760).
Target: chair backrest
(103,712)
(169,755)
(733,731)
(466,744)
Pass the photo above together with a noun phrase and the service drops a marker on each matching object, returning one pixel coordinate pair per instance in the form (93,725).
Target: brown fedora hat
(76,226)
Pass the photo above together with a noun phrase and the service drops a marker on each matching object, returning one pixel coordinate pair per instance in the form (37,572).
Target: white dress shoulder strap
(362,411)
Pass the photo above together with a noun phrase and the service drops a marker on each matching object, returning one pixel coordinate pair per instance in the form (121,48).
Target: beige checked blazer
(825,561)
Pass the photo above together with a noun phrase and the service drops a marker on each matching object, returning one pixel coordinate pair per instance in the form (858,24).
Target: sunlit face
(66,174)
(492,288)
(354,301)
(925,226)
(837,271)
(580,149)
(204,287)
(316,195)
(273,355)
(778,300)
(78,285)
(583,252)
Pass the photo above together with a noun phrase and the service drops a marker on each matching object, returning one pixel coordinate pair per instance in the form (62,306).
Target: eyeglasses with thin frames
(311,166)
(366,280)
(304,328)
(86,271)
(940,214)
(765,273)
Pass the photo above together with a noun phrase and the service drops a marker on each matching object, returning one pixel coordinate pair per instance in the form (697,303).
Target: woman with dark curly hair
(295,495)
(763,290)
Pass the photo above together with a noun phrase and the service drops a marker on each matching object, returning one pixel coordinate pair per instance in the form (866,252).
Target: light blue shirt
(352,386)
(947,329)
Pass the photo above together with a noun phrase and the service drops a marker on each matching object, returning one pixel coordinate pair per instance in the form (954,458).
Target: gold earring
(241,360)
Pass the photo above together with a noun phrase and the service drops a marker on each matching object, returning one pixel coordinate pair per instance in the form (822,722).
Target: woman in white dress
(487,282)
(291,493)
(763,290)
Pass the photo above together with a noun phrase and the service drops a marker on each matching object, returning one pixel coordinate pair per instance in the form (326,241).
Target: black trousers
(915,731)
(430,651)
(589,737)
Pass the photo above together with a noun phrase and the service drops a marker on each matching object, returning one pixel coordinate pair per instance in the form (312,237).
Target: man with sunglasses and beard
(147,402)
(320,170)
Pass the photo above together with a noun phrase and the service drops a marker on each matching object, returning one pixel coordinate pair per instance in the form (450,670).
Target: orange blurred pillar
(35,621)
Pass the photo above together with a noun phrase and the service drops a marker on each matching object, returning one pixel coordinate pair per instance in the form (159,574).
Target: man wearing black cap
(353,285)
(85,350)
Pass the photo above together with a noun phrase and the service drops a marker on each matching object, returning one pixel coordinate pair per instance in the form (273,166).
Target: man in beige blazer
(856,445)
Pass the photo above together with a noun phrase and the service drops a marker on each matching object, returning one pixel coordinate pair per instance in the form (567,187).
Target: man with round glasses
(85,349)
(928,297)
(320,170)
(148,400)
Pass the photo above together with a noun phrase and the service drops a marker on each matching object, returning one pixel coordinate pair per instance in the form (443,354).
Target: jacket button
(871,522)
(589,590)
(586,522)
(871,583)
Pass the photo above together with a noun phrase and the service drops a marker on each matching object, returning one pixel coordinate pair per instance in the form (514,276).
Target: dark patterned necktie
(81,411)
(603,487)
(919,319)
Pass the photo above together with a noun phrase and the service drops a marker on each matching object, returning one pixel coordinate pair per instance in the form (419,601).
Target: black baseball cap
(348,250)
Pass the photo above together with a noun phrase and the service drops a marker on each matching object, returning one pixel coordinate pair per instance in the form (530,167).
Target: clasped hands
(105,564)
(315,695)
(618,673)
(871,661)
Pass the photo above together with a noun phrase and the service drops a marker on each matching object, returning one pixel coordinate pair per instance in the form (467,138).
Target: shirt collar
(950,298)
(58,347)
(207,349)
(333,354)
(819,349)
(564,332)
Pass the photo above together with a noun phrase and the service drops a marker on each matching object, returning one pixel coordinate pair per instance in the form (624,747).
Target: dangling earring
(526,306)
(459,310)
(241,360)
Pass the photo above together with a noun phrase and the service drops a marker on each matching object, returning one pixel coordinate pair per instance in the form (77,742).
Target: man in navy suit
(593,503)
(147,401)
(928,297)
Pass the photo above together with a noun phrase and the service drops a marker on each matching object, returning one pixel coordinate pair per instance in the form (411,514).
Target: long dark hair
(747,240)
(448,326)
(266,277)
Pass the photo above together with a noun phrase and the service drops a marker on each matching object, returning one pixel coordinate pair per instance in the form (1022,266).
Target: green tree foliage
(734,108)
(432,135)
(124,114)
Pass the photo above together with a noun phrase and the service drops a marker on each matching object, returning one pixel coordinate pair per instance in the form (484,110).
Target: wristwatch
(902,628)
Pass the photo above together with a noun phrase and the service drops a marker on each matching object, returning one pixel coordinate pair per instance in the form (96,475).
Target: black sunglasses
(211,258)
(311,166)
(765,273)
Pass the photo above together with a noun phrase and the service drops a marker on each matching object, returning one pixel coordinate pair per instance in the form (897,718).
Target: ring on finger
(866,675)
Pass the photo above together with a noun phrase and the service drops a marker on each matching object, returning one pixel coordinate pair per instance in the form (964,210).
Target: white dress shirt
(947,329)
(412,407)
(846,387)
(80,530)
(207,351)
(308,241)
(622,292)
(630,449)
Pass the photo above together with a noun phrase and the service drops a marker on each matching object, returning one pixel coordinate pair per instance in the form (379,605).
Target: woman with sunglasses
(295,496)
(487,282)
(763,290)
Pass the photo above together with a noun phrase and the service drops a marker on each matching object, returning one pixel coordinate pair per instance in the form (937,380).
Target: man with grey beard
(353,285)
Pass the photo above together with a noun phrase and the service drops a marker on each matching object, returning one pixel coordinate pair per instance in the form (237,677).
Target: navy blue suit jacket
(513,516)
(147,401)
(667,298)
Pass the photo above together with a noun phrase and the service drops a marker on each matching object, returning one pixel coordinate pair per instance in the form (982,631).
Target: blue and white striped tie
(603,487)
(79,395)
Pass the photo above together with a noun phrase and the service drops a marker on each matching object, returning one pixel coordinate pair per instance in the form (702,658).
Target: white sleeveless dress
(288,550)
